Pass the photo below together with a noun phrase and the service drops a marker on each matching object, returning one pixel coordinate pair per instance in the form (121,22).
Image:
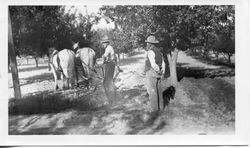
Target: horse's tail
(92,58)
(54,64)
(66,62)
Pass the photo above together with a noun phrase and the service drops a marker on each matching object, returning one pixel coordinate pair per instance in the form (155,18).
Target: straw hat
(105,40)
(152,39)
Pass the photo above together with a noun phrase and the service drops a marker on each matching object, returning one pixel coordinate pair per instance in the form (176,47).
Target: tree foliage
(33,28)
(177,27)
(119,39)
(130,25)
(37,28)
(180,27)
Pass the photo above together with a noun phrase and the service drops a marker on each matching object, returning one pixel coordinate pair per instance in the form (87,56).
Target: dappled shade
(45,102)
(199,72)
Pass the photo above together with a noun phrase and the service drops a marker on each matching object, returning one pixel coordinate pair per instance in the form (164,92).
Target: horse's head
(75,46)
(52,50)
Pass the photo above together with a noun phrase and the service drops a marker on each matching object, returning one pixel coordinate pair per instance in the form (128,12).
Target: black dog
(168,94)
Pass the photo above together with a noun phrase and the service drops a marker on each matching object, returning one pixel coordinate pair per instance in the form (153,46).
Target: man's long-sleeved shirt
(109,54)
(151,57)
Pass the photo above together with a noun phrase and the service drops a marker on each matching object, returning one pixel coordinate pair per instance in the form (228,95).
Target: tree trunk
(229,58)
(119,56)
(13,63)
(9,68)
(27,61)
(49,63)
(172,66)
(36,60)
(217,55)
(116,25)
(206,52)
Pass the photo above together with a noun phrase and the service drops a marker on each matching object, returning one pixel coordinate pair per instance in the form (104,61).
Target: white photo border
(241,136)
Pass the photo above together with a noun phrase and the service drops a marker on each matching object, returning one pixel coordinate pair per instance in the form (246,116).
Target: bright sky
(91,9)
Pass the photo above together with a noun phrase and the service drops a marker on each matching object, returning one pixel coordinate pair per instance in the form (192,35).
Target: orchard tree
(177,27)
(129,24)
(34,28)
(37,28)
(214,26)
(79,26)
(165,22)
(172,28)
(225,33)
(12,60)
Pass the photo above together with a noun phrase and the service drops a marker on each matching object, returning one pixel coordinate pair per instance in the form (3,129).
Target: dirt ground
(204,103)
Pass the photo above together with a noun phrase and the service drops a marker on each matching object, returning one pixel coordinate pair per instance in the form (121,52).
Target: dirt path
(201,106)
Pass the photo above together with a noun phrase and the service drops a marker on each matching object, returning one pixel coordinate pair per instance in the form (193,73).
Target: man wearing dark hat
(155,70)
(109,62)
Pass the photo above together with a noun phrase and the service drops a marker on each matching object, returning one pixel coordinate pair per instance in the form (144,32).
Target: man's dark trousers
(108,82)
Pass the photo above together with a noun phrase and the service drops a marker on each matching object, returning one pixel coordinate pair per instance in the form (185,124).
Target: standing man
(155,69)
(109,69)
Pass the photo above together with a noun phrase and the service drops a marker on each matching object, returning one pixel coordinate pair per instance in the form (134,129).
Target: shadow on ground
(32,68)
(216,92)
(37,78)
(199,72)
(140,121)
(47,102)
(209,60)
(54,102)
(57,113)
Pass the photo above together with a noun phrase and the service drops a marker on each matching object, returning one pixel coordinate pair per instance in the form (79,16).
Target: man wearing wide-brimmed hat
(109,69)
(155,66)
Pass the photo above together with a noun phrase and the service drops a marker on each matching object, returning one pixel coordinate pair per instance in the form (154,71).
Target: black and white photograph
(122,69)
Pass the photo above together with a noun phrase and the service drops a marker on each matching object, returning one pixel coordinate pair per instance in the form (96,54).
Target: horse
(87,58)
(62,64)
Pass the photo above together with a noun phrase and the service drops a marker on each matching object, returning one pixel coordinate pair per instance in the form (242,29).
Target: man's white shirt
(151,57)
(109,53)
